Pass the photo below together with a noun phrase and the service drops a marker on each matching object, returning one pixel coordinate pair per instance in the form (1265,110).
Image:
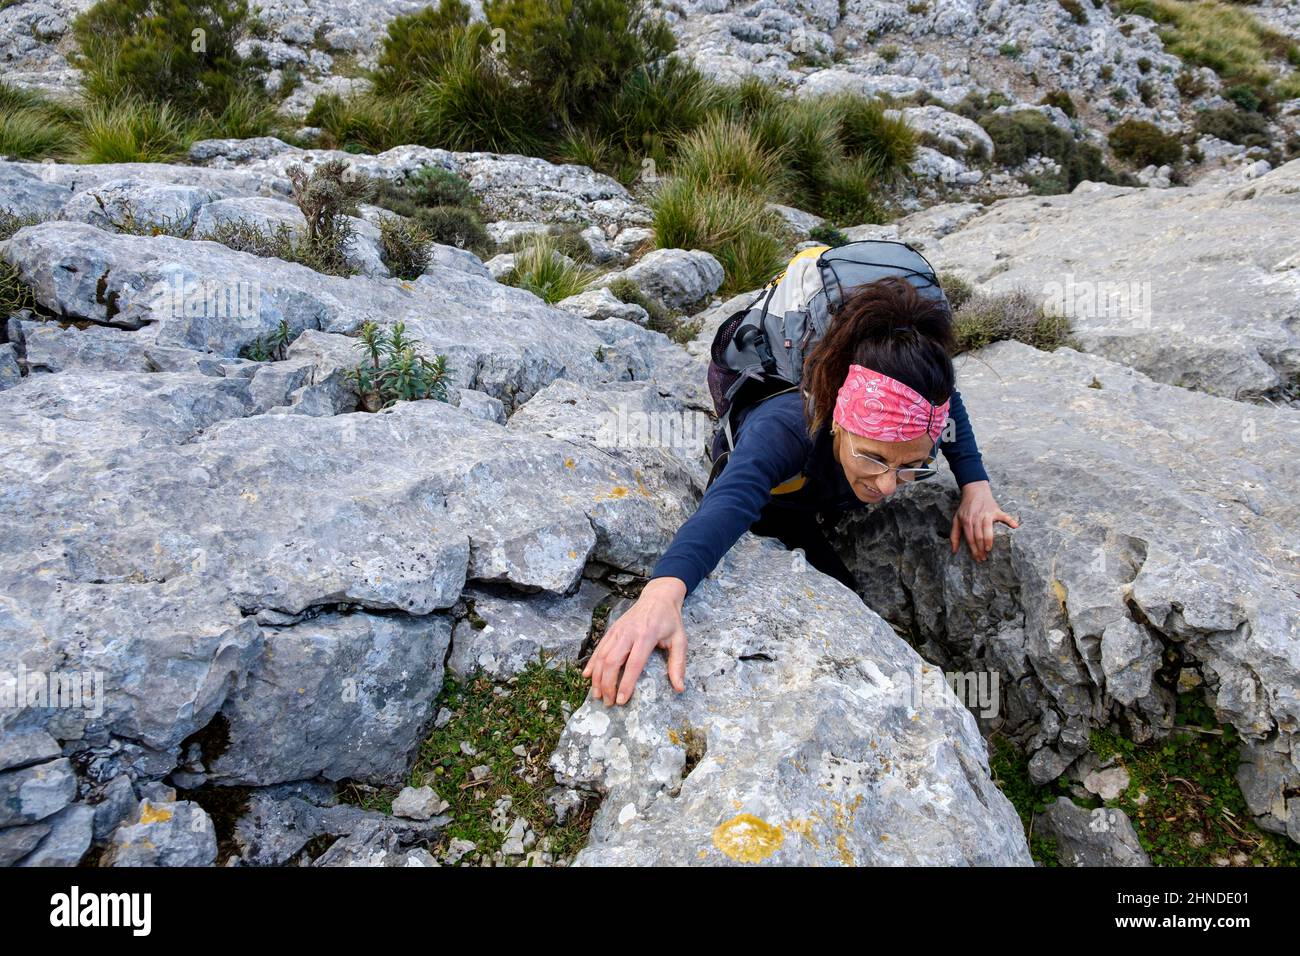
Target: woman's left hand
(975,516)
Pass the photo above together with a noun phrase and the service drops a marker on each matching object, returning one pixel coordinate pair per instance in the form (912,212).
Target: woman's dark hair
(890,328)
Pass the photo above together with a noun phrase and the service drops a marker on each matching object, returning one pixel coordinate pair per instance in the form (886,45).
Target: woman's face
(871,487)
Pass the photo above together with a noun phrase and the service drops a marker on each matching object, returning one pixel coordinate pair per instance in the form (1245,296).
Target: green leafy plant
(443,206)
(473,103)
(515,726)
(419,45)
(1062,101)
(828,235)
(1235,126)
(272,347)
(395,370)
(577,52)
(1020,134)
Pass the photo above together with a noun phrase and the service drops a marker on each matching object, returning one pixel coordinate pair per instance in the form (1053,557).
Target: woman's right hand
(655,620)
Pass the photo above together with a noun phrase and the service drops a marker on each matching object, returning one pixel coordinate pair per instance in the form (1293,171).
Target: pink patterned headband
(877,406)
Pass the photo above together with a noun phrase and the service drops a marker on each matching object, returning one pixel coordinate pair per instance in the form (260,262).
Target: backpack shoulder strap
(726,419)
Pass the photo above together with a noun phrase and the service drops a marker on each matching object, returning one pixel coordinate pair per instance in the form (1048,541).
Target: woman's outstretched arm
(769,449)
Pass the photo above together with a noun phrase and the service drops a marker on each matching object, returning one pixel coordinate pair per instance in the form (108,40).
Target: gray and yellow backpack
(759,351)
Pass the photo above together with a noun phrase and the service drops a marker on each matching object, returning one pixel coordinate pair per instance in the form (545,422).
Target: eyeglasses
(874,466)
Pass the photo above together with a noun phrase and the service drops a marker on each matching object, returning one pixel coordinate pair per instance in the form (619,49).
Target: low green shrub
(455,226)
(404,247)
(1144,144)
(181,53)
(828,235)
(133,130)
(957,290)
(365,123)
(1062,101)
(542,269)
(443,206)
(576,53)
(472,103)
(284,242)
(986,318)
(1235,126)
(419,45)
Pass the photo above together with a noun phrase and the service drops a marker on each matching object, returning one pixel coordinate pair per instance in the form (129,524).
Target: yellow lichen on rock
(747,839)
(151,814)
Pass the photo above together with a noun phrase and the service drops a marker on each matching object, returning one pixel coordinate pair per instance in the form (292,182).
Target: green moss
(530,716)
(1010,771)
(1183,798)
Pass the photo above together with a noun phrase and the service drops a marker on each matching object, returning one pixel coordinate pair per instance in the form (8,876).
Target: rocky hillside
(294,498)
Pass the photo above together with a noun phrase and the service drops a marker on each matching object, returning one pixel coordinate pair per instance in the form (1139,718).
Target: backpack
(759,351)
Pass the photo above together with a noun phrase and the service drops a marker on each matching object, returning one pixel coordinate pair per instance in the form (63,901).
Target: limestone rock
(800,739)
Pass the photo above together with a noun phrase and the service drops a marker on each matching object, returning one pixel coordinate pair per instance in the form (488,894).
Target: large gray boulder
(809,733)
(25,193)
(1100,837)
(679,278)
(507,633)
(190,572)
(1197,286)
(337,696)
(1157,536)
(208,298)
(509,186)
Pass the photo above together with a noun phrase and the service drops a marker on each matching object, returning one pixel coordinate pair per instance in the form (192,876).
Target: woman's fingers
(602,660)
(614,659)
(677,660)
(955,536)
(988,533)
(639,654)
(972,539)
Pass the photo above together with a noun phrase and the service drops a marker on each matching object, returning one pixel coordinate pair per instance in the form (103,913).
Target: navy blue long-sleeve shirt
(772,445)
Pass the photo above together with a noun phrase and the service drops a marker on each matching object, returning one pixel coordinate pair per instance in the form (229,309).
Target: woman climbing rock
(866,420)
